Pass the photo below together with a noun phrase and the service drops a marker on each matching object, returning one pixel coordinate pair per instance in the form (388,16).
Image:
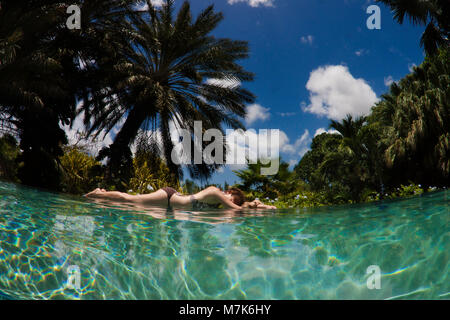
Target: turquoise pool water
(49,241)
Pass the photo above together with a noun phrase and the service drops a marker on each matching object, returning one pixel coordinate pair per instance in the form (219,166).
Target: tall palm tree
(350,130)
(40,75)
(269,186)
(434,14)
(307,168)
(361,150)
(34,95)
(163,76)
(349,156)
(420,135)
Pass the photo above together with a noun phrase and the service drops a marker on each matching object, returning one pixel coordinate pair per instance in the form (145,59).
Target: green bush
(406,191)
(81,173)
(150,174)
(9,151)
(400,192)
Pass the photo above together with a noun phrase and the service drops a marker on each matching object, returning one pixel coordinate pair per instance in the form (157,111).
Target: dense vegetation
(433,14)
(137,69)
(401,148)
(140,70)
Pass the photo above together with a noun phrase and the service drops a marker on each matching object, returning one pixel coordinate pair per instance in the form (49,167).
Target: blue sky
(314,60)
(323,43)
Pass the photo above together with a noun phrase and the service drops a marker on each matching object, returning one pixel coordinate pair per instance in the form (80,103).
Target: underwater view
(47,239)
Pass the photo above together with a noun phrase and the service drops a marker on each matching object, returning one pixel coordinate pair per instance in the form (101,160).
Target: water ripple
(130,253)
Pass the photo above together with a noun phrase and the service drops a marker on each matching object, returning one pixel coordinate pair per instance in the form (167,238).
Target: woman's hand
(264,206)
(256,204)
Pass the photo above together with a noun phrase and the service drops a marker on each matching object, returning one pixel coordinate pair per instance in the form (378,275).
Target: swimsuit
(195,203)
(170,192)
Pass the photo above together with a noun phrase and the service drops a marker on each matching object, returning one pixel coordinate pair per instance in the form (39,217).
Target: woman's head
(237,196)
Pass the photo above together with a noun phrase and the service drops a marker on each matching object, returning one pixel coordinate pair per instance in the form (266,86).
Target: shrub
(150,175)
(9,152)
(81,173)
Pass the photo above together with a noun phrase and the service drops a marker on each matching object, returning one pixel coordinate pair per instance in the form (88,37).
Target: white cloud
(76,133)
(77,128)
(334,93)
(361,52)
(302,144)
(411,67)
(307,39)
(286,114)
(292,163)
(299,147)
(388,81)
(224,83)
(143,6)
(256,112)
(323,130)
(157,3)
(249,145)
(254,3)
(240,142)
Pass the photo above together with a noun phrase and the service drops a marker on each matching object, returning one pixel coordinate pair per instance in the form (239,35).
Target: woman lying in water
(169,197)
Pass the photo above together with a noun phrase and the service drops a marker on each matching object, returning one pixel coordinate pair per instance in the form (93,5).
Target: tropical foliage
(150,172)
(263,186)
(80,171)
(129,68)
(147,73)
(9,152)
(400,149)
(434,14)
(190,187)
(41,75)
(414,121)
(170,70)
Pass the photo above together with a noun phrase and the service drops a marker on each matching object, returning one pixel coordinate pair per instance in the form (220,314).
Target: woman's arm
(110,195)
(227,203)
(214,195)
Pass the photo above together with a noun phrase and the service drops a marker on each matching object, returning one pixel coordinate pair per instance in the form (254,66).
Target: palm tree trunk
(120,157)
(129,130)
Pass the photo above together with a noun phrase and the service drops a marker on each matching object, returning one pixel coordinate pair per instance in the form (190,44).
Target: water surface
(318,253)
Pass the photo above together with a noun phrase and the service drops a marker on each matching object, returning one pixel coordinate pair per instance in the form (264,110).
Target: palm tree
(41,78)
(163,76)
(419,138)
(350,130)
(280,184)
(34,95)
(361,151)
(435,14)
(307,169)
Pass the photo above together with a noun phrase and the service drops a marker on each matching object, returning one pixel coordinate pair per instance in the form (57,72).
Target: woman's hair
(237,196)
